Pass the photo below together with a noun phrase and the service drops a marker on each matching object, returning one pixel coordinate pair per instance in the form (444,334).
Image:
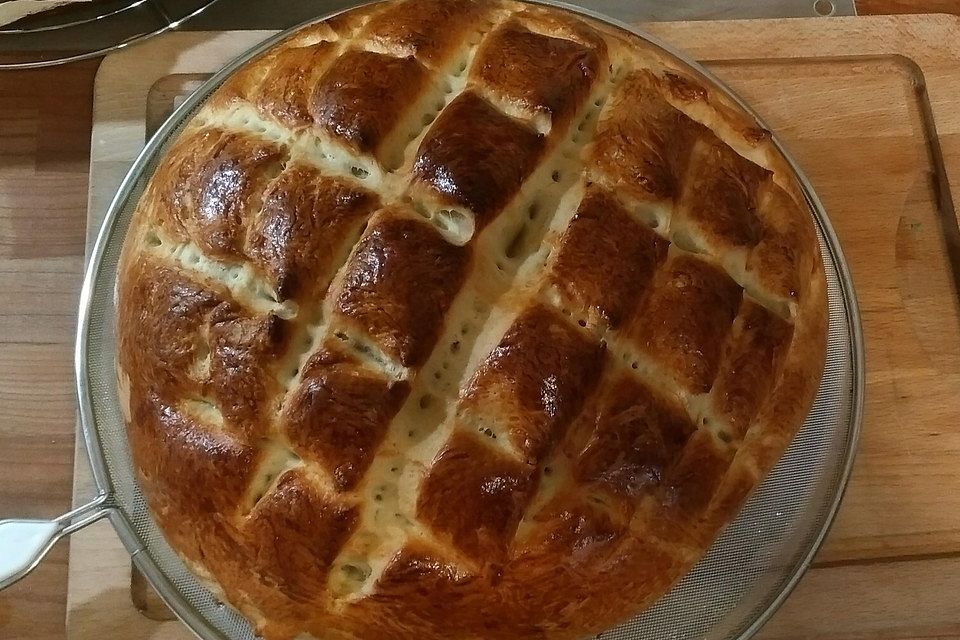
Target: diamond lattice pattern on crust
(440,316)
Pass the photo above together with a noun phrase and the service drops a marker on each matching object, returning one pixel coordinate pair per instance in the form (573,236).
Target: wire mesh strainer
(747,573)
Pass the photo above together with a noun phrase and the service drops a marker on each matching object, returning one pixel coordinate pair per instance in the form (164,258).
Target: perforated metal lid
(747,573)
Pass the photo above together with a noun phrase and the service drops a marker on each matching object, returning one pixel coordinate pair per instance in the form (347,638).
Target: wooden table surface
(45,126)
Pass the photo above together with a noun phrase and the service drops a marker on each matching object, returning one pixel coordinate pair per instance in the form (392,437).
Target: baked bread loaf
(462,320)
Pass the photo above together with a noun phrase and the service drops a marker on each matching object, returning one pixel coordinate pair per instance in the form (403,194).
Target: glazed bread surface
(462,320)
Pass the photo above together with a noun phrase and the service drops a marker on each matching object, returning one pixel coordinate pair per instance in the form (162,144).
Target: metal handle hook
(24,543)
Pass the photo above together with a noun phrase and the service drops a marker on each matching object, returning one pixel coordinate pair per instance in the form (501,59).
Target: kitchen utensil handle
(23,543)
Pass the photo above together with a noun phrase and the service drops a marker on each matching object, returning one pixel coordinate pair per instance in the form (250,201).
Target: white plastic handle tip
(22,544)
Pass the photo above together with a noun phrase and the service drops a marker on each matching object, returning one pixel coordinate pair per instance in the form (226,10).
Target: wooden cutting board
(871,108)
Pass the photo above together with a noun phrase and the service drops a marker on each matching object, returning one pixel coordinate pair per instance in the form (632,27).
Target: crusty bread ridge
(452,319)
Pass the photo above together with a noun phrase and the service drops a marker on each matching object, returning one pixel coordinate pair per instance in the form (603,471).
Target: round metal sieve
(749,571)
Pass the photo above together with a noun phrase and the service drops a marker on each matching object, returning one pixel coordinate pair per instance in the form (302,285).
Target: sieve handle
(23,543)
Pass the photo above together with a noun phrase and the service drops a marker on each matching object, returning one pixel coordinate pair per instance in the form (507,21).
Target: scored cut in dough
(463,320)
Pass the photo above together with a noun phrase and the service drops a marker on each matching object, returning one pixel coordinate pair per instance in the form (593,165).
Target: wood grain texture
(849,597)
(44,159)
(895,237)
(888,7)
(910,599)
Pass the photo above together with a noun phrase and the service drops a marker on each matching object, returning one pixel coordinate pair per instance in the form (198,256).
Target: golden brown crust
(533,383)
(304,220)
(284,93)
(215,180)
(642,146)
(281,533)
(537,73)
(605,260)
(364,95)
(683,322)
(399,283)
(633,436)
(433,31)
(474,497)
(476,157)
(339,414)
(753,355)
(463,320)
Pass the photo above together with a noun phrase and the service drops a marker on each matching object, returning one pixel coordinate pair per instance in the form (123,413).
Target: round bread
(463,320)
